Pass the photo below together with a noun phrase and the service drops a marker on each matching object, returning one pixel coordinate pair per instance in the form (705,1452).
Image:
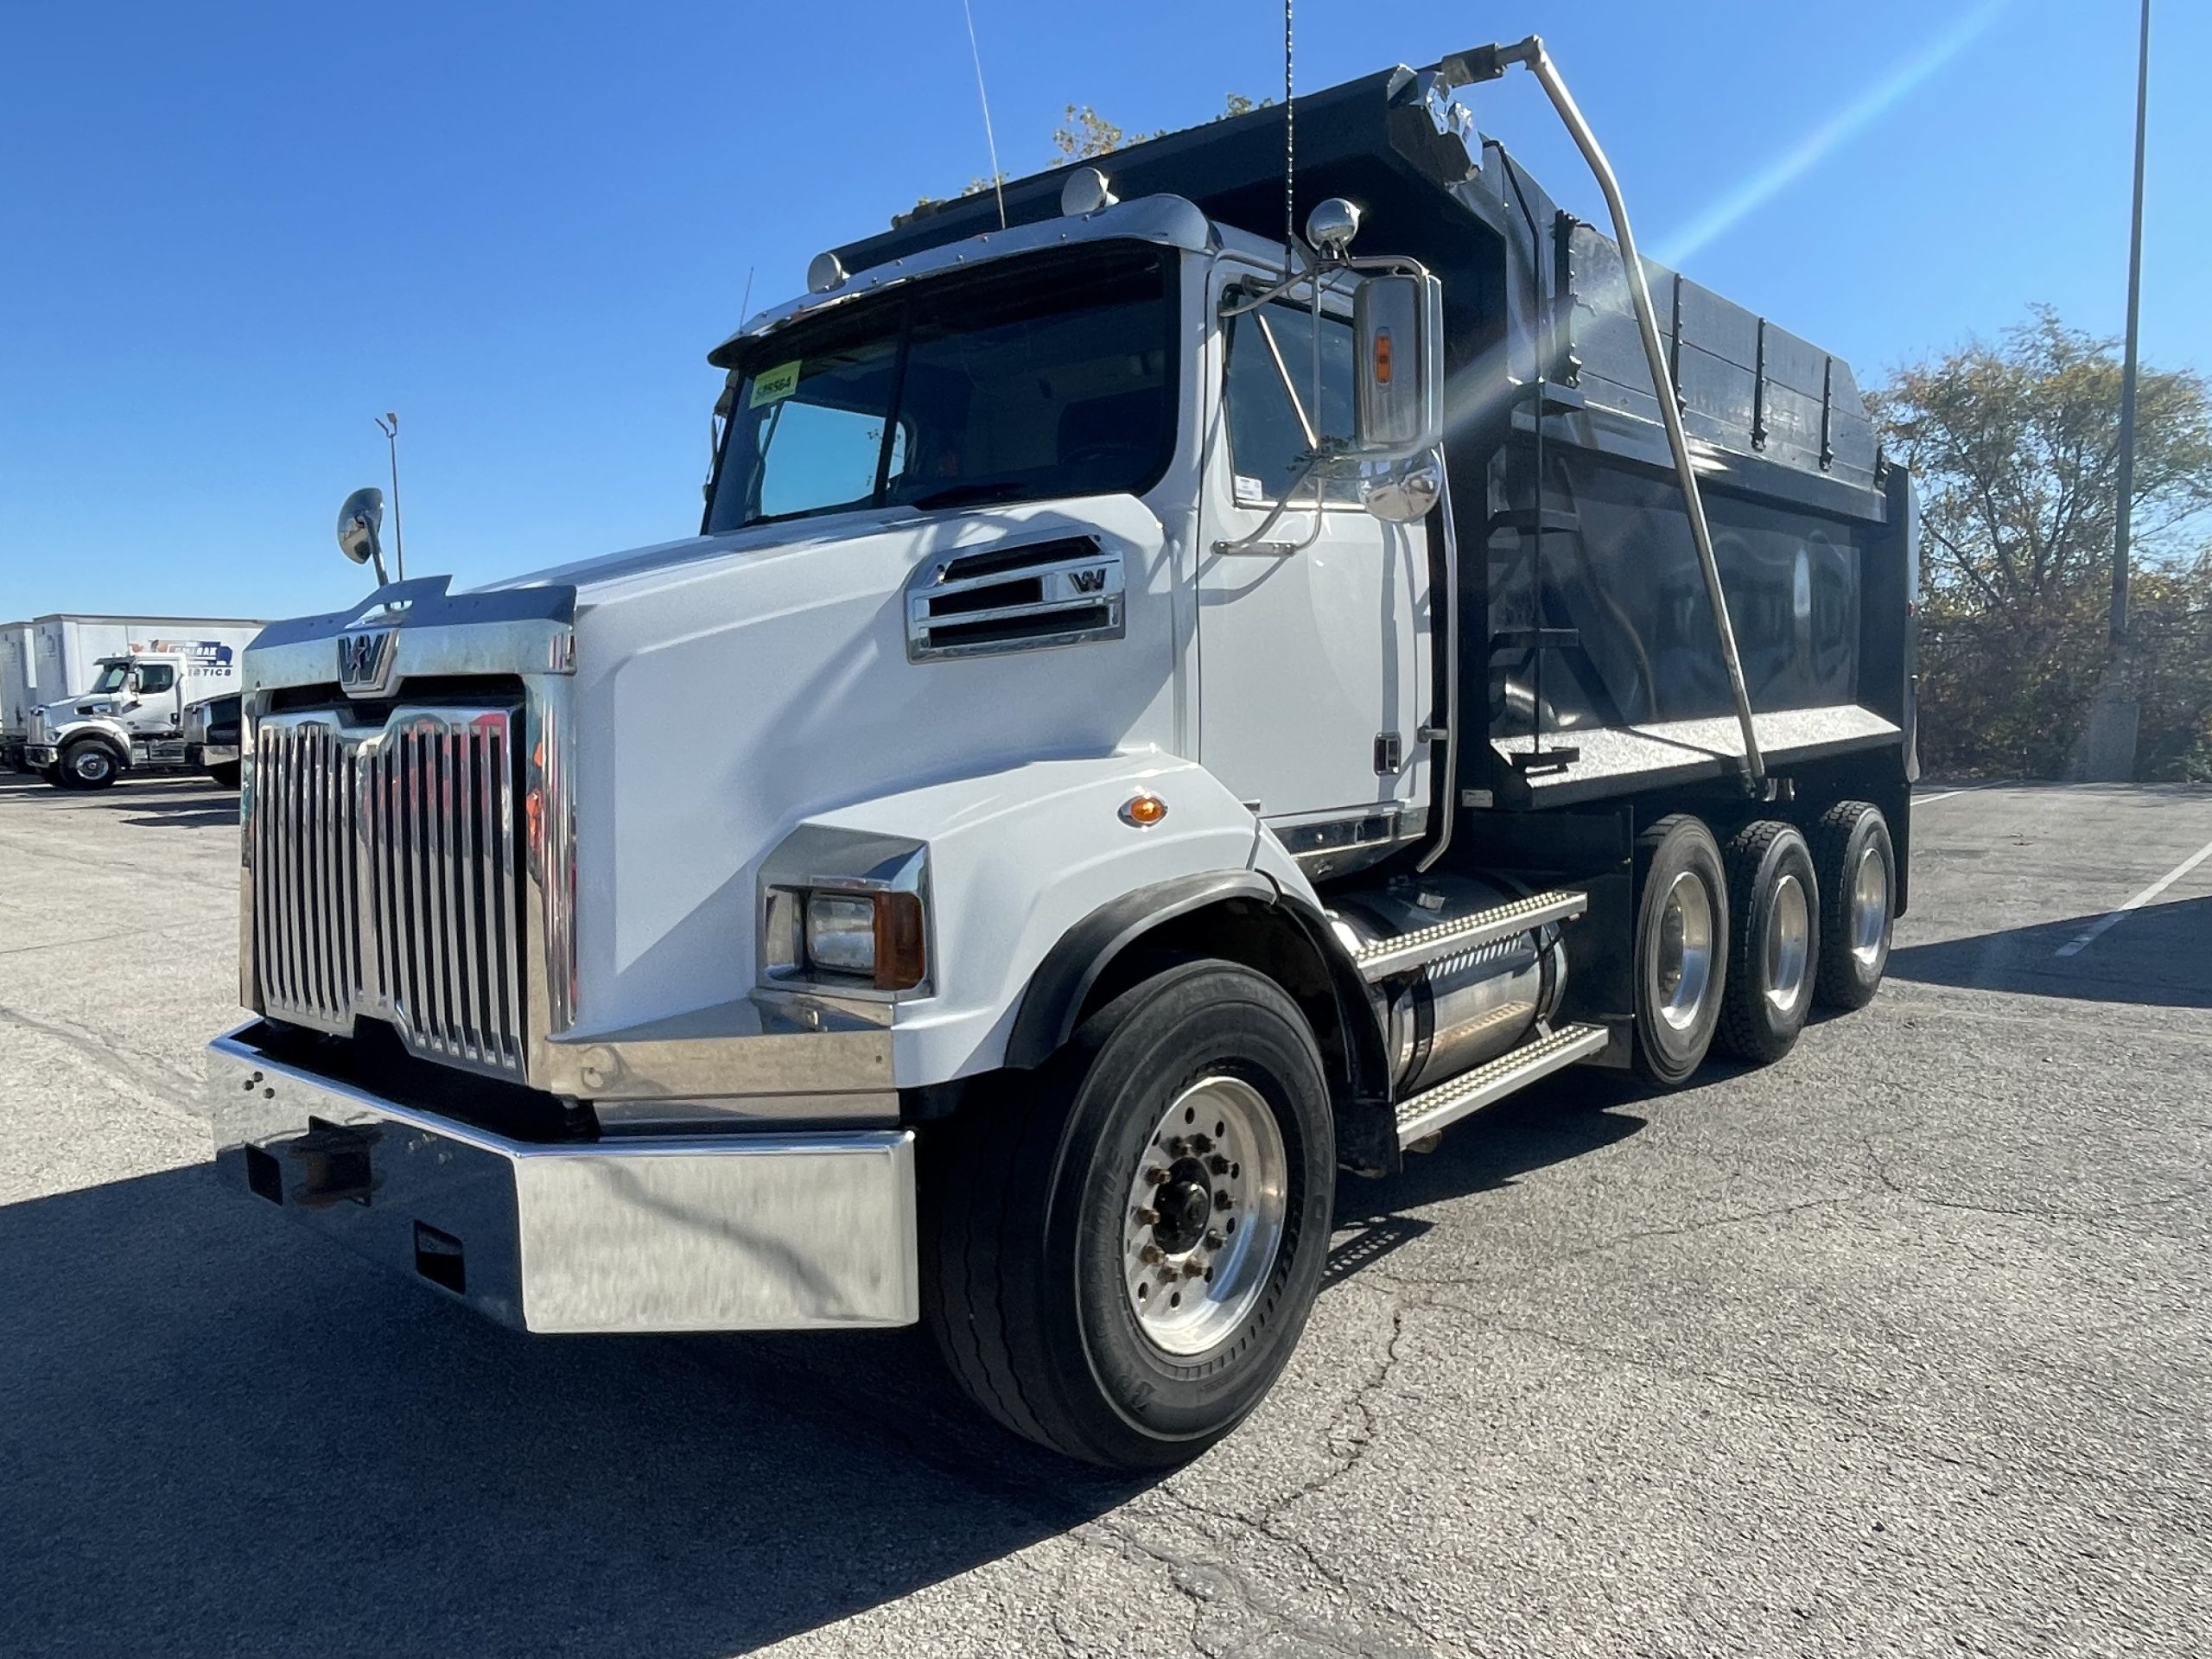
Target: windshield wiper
(982,489)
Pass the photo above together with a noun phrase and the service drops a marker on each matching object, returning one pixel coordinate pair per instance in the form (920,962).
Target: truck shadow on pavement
(225,1435)
(2157,956)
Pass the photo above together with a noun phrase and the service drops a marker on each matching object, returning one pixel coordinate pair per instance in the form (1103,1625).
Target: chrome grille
(387,879)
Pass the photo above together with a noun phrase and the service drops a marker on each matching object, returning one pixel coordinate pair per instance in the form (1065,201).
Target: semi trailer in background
(113,691)
(1200,709)
(18,691)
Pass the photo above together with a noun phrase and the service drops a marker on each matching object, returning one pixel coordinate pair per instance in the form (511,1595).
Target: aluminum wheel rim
(1788,944)
(92,765)
(1208,1207)
(1870,906)
(1682,964)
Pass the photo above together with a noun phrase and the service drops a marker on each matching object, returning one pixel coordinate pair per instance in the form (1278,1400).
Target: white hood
(728,688)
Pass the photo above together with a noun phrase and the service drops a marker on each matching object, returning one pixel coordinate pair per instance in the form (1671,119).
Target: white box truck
(1197,711)
(18,692)
(114,690)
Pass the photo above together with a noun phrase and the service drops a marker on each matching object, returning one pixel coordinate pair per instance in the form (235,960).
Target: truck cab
(1205,715)
(131,716)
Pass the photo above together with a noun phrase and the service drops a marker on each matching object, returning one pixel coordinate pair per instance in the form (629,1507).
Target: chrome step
(1395,955)
(1452,1099)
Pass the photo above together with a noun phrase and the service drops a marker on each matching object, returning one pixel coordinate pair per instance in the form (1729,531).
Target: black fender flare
(1049,1008)
(1055,998)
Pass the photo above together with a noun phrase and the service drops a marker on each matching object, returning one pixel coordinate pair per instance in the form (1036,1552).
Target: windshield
(1049,376)
(113,675)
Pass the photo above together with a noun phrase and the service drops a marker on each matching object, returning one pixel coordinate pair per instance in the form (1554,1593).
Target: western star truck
(117,690)
(1211,708)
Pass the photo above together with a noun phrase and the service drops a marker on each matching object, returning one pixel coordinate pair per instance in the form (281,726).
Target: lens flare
(1816,146)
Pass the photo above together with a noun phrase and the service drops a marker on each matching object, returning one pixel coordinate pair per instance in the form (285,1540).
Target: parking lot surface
(1899,1346)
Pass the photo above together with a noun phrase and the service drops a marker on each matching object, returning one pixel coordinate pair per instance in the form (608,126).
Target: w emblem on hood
(365,660)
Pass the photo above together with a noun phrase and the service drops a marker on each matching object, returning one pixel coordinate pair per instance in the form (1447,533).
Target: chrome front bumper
(41,754)
(776,1230)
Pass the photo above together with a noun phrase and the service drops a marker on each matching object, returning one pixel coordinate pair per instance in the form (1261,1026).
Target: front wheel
(1122,1248)
(87,764)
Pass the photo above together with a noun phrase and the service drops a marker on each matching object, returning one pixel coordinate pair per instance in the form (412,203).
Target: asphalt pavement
(1899,1346)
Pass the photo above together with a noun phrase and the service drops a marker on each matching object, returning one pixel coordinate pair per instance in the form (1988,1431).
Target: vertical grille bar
(474,1023)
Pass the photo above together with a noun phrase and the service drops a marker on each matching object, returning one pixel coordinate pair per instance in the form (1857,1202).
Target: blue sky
(231,234)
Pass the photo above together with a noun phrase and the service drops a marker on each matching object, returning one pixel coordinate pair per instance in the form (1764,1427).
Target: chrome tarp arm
(1489,62)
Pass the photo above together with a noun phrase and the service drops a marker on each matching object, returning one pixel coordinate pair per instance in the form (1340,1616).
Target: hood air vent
(1064,592)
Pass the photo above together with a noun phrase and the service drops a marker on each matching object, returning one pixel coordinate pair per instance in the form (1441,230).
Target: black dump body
(1588,653)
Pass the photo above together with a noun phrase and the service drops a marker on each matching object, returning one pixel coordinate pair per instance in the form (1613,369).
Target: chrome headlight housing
(845,912)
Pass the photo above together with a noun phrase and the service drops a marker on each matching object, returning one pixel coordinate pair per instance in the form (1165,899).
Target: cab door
(157,712)
(1314,665)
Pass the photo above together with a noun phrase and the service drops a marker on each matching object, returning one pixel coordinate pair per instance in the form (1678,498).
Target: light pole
(2108,751)
(388,423)
(2126,505)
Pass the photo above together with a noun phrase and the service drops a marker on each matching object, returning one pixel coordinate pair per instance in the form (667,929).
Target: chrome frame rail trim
(756,1231)
(1386,957)
(1455,1097)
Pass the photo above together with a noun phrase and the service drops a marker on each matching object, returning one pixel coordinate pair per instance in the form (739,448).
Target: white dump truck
(115,690)
(1201,713)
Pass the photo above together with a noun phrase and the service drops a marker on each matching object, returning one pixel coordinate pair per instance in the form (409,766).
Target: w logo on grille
(1087,581)
(365,660)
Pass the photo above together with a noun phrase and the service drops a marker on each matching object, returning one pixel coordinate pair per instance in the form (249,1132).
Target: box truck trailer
(115,689)
(18,691)
(1207,710)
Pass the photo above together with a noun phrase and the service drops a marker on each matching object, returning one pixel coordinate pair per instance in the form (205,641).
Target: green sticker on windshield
(773,385)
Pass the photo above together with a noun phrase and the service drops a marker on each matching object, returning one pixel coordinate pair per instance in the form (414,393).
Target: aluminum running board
(1453,1099)
(1384,957)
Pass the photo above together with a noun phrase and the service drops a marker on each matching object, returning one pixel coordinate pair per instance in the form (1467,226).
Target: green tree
(2015,447)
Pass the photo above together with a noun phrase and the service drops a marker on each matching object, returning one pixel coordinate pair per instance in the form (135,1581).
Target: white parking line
(1971,789)
(2090,934)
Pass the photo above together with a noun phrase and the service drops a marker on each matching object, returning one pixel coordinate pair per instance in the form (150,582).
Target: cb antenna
(984,99)
(1289,155)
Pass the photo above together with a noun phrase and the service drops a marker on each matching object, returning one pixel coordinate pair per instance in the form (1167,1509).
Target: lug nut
(1147,1217)
(1213,1241)
(1218,1164)
(1194,1268)
(1221,1200)
(1156,1175)
(1202,1143)
(1150,1254)
(1180,1146)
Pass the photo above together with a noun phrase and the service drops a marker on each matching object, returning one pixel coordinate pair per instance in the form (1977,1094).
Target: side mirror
(1406,492)
(358,521)
(1398,370)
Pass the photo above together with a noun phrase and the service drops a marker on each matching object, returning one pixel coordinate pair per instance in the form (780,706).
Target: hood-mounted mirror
(360,521)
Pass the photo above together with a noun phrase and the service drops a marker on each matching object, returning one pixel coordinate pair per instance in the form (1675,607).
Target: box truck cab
(1209,711)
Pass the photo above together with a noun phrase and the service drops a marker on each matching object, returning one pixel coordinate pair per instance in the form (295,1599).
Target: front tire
(1124,1331)
(87,764)
(1774,924)
(1681,947)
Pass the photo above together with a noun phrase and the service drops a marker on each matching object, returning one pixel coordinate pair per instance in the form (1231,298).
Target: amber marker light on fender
(1143,810)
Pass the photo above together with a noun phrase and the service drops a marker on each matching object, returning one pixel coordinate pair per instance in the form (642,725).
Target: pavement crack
(159,1082)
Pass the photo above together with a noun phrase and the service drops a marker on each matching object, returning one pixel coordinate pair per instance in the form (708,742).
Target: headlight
(846,909)
(841,932)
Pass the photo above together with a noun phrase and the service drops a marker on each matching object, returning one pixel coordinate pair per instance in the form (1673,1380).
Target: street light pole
(2127,504)
(388,423)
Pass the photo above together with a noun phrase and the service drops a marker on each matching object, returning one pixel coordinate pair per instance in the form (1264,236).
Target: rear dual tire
(1774,912)
(1858,869)
(1681,947)
(1118,1329)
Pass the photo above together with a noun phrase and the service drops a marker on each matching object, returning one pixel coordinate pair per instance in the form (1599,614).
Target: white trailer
(116,688)
(18,691)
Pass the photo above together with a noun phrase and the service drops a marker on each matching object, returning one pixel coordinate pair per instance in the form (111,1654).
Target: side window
(1270,386)
(154,678)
